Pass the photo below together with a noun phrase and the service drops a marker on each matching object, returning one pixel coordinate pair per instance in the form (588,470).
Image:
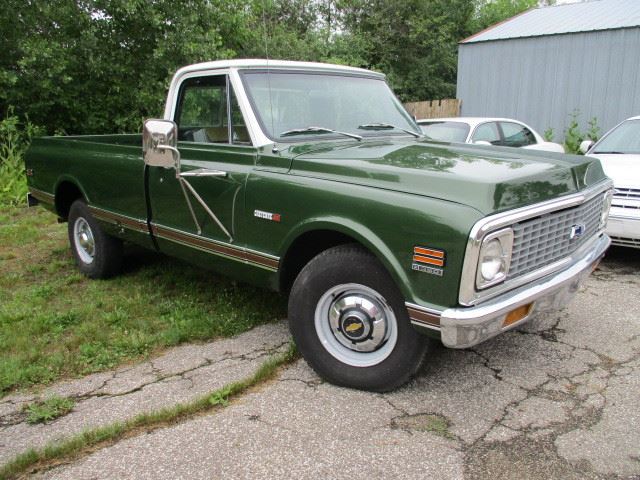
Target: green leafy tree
(490,12)
(414,42)
(103,65)
(284,29)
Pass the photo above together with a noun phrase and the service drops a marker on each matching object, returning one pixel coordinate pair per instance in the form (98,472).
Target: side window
(203,116)
(240,134)
(202,110)
(516,135)
(487,132)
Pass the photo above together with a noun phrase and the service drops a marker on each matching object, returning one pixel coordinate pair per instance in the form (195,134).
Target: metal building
(543,64)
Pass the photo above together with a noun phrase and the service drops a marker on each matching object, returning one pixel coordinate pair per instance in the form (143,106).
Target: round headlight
(492,262)
(494,258)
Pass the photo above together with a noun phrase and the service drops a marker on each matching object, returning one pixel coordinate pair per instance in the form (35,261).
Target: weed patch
(49,409)
(15,137)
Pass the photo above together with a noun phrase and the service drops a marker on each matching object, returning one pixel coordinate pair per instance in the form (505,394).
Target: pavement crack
(388,401)
(496,371)
(313,384)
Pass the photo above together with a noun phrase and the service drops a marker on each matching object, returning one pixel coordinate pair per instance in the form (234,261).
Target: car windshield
(446,131)
(623,139)
(313,105)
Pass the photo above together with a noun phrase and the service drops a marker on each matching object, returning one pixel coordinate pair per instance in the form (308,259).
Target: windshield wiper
(609,153)
(307,130)
(387,126)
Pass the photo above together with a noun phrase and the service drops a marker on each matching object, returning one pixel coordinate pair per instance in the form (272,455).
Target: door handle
(203,172)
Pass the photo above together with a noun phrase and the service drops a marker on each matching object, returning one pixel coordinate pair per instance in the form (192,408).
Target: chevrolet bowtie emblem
(577,231)
(353,327)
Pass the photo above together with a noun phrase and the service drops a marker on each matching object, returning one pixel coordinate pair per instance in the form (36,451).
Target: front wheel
(348,320)
(97,254)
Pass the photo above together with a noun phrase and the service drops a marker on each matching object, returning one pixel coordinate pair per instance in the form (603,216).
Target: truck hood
(489,179)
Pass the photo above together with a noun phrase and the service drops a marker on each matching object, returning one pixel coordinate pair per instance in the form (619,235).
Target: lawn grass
(56,323)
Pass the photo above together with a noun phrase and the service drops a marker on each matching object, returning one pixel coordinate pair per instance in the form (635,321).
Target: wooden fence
(448,107)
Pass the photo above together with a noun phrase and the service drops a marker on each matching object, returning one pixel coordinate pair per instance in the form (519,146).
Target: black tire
(335,278)
(101,258)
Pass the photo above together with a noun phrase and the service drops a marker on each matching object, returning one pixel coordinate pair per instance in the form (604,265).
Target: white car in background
(487,131)
(619,153)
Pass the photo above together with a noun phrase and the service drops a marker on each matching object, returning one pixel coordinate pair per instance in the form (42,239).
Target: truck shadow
(622,258)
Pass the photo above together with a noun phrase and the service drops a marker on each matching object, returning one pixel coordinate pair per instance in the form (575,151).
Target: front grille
(546,239)
(626,194)
(625,242)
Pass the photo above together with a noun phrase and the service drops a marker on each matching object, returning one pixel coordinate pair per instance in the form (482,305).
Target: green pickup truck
(312,180)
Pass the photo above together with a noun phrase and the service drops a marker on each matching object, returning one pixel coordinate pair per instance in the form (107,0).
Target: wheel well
(66,194)
(304,248)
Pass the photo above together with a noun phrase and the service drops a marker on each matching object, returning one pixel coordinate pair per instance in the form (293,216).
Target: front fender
(360,233)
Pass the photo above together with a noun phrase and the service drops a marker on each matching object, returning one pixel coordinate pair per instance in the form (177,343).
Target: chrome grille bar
(626,193)
(546,239)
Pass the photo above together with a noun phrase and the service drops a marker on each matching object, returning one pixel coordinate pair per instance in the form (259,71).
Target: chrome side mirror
(159,141)
(586,145)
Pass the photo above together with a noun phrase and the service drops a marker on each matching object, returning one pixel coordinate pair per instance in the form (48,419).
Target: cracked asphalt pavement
(557,398)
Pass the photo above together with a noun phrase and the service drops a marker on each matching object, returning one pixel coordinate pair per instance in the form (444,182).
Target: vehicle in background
(503,132)
(619,153)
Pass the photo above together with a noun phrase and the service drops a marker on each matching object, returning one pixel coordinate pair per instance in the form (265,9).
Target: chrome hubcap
(84,241)
(356,325)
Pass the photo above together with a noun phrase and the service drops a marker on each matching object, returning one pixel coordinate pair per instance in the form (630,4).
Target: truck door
(200,211)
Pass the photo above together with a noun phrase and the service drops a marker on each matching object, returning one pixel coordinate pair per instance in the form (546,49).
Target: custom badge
(274,217)
(428,260)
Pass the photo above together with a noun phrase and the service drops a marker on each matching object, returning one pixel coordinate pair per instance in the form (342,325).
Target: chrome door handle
(203,172)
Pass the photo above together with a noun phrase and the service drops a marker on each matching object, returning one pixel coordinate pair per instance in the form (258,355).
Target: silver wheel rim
(85,244)
(356,325)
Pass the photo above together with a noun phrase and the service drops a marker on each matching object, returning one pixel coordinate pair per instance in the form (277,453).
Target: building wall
(541,80)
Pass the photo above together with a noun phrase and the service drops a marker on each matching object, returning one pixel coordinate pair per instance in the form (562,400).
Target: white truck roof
(249,63)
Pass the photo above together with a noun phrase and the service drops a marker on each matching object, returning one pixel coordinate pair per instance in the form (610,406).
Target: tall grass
(15,137)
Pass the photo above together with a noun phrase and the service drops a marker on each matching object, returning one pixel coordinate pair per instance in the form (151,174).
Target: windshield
(287,101)
(624,139)
(446,131)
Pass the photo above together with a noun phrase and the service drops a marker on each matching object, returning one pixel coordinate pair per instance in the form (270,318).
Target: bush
(574,136)
(15,137)
(548,135)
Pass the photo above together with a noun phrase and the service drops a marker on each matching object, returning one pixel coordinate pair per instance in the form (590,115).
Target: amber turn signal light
(518,314)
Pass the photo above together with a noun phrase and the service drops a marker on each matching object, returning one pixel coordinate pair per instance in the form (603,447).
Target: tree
(100,66)
(490,12)
(413,41)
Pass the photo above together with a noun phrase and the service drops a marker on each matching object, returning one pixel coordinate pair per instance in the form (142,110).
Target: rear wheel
(349,322)
(97,254)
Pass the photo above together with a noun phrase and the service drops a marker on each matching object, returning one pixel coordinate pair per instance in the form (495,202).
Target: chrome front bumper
(467,326)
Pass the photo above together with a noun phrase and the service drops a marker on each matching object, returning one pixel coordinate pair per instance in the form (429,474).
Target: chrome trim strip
(624,217)
(423,316)
(425,325)
(263,260)
(124,221)
(468,295)
(41,196)
(268,262)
